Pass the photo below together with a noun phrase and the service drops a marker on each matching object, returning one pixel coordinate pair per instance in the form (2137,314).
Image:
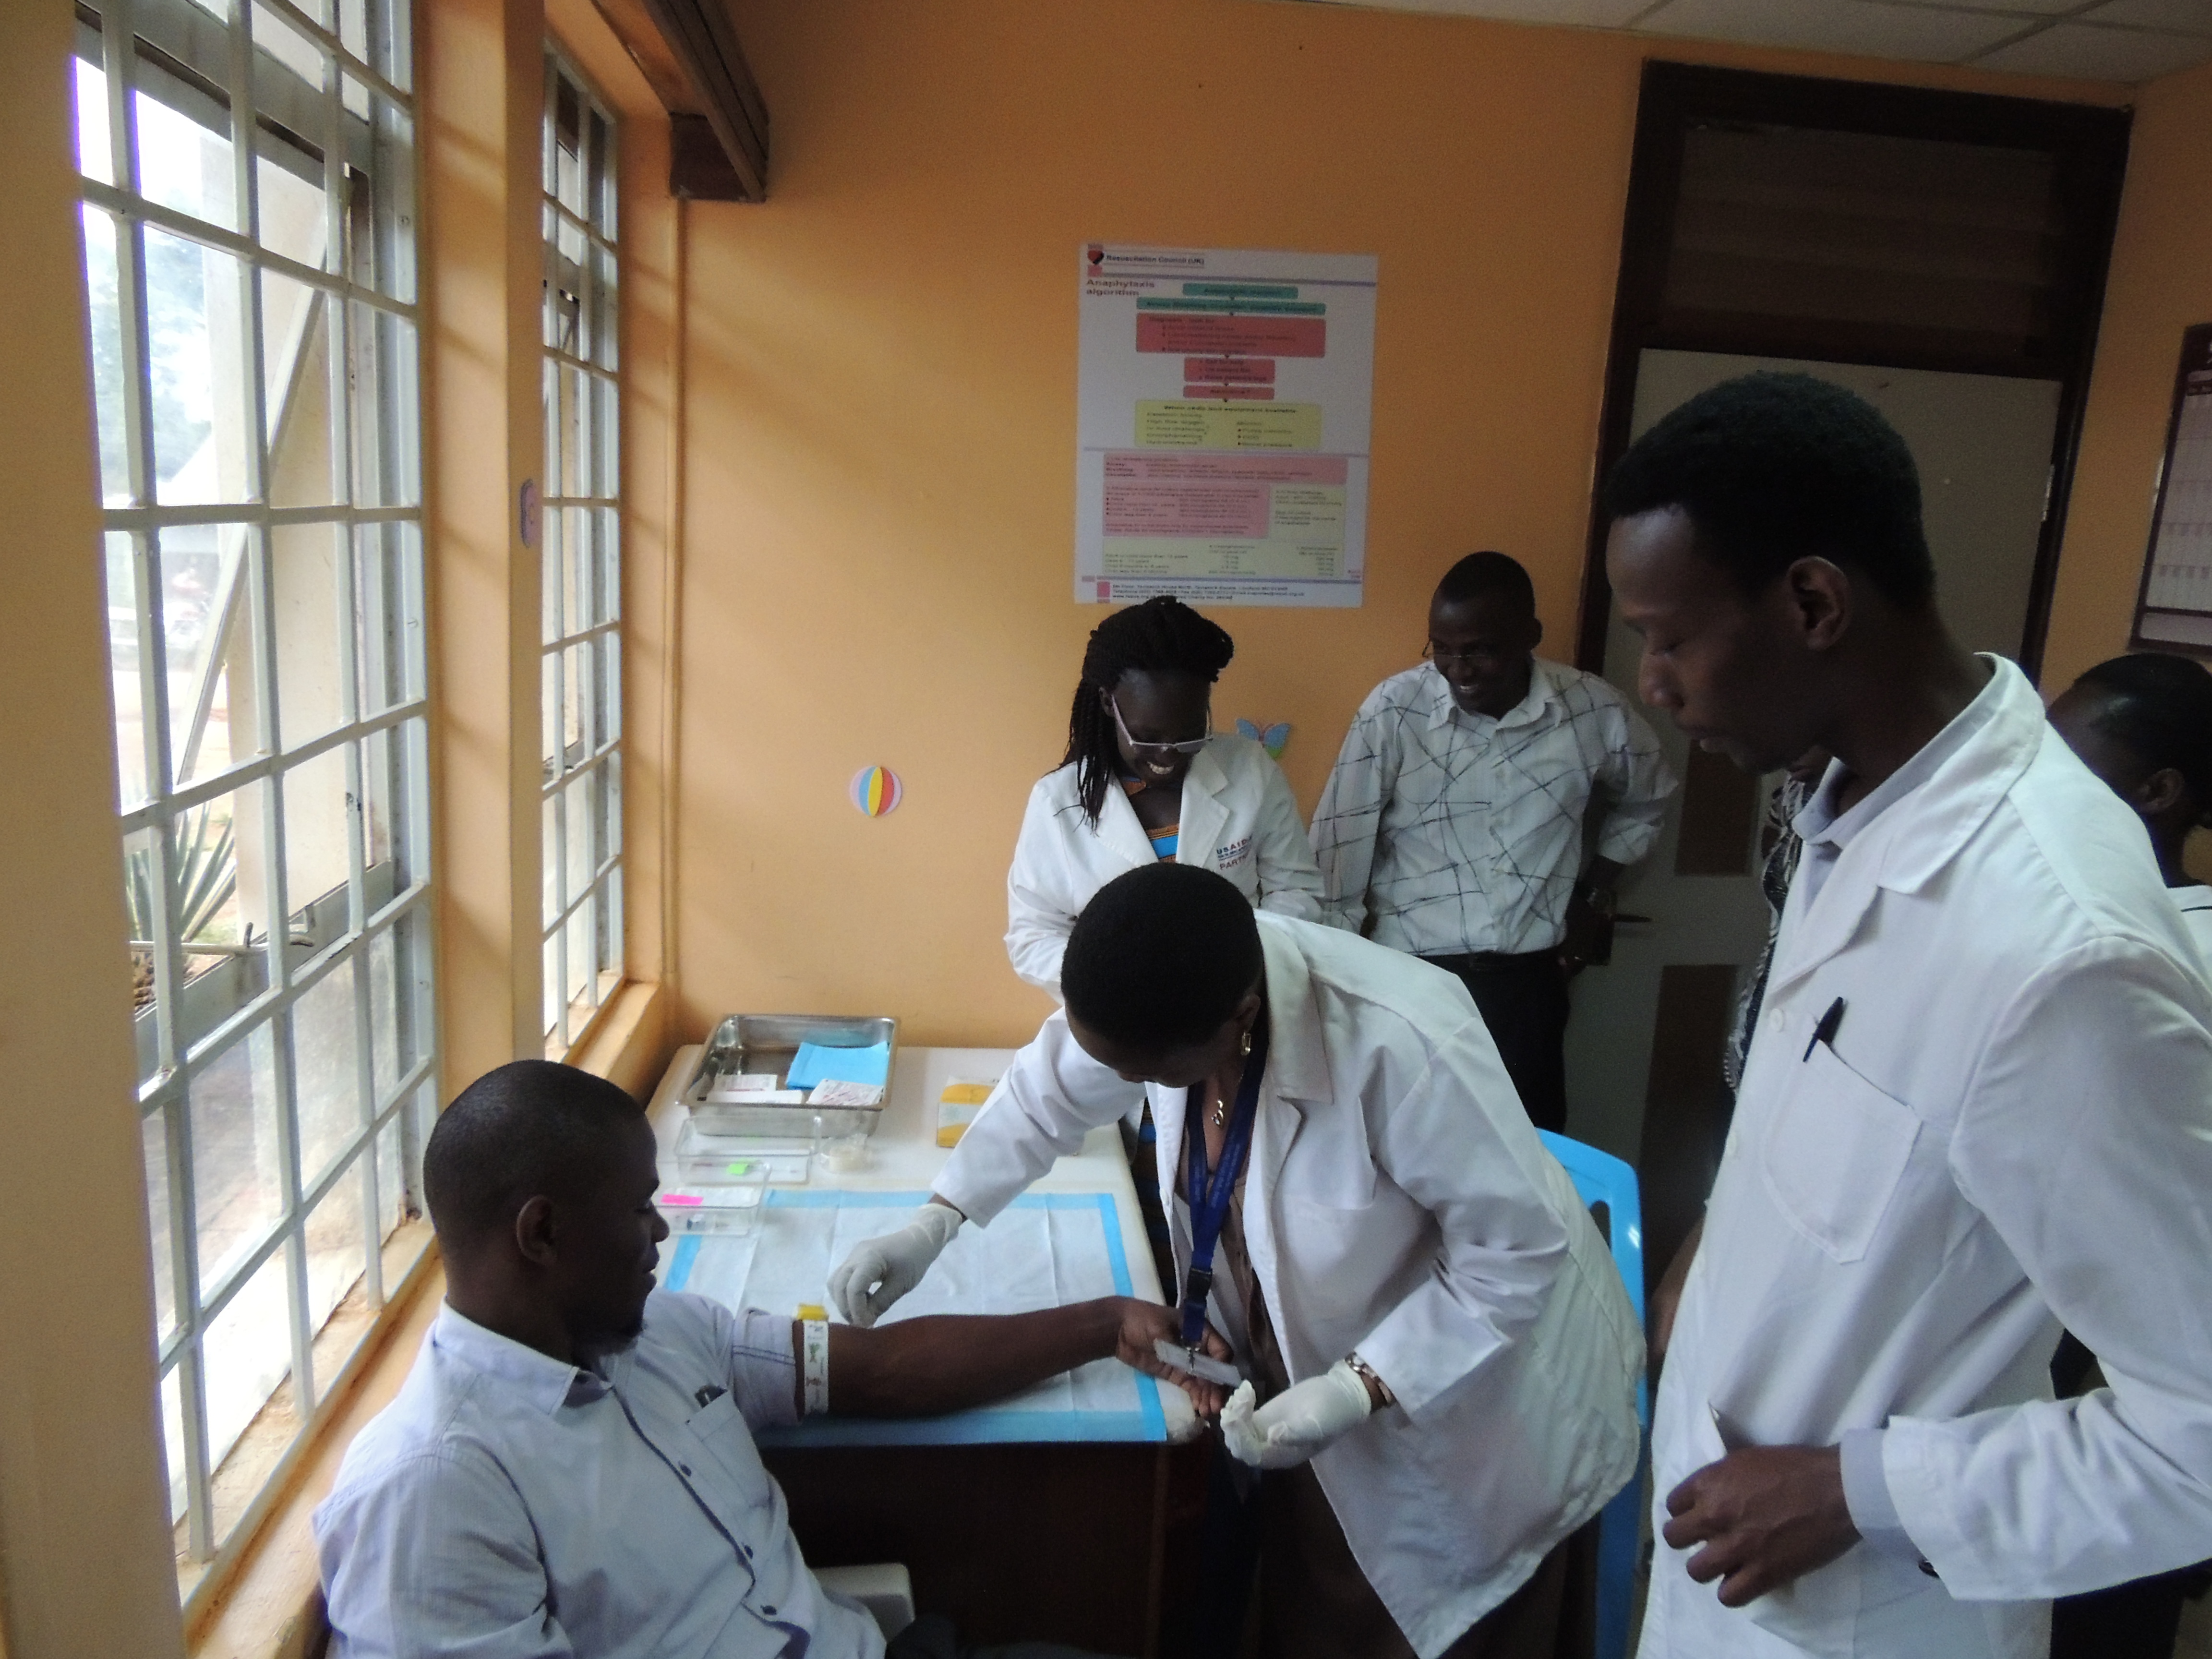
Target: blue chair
(1602,1178)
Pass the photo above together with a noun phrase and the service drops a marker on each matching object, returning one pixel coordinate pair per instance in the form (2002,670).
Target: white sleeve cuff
(1866,1494)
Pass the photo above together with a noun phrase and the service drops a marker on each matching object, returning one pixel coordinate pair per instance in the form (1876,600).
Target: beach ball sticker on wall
(876,790)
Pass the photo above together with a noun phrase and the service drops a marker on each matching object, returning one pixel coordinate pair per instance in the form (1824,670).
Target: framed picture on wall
(2174,610)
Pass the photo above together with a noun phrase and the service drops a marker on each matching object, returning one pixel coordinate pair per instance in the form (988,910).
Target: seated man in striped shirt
(1452,826)
(569,1471)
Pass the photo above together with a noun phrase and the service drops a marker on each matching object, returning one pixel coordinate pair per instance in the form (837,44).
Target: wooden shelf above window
(718,124)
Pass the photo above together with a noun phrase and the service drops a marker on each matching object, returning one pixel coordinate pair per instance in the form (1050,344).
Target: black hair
(2158,708)
(526,1128)
(1161,957)
(1162,635)
(1488,575)
(1772,468)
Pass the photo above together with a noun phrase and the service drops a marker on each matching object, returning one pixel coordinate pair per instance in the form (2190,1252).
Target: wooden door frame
(2089,144)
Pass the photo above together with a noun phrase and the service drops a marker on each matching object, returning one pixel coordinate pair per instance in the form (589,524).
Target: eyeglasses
(1190,747)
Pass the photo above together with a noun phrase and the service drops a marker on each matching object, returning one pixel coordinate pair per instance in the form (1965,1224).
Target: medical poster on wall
(2175,608)
(1224,398)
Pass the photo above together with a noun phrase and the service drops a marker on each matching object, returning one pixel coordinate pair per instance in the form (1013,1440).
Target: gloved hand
(880,1271)
(1296,1423)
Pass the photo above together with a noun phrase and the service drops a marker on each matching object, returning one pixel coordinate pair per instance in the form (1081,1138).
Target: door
(1644,1041)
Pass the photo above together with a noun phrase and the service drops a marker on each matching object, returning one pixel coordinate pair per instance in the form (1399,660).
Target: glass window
(249,270)
(581,787)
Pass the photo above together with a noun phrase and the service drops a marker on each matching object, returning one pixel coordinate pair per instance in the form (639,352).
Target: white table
(904,1156)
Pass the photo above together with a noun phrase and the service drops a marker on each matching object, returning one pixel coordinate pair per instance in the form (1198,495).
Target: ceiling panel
(1581,14)
(1929,34)
(2190,16)
(2099,54)
(2129,40)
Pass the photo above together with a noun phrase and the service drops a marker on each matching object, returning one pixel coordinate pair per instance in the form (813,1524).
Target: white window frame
(581,783)
(362,121)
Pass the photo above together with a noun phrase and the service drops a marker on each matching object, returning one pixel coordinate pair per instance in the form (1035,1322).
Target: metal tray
(769,1043)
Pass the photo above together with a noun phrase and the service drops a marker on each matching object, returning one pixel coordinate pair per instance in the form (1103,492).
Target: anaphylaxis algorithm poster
(1223,406)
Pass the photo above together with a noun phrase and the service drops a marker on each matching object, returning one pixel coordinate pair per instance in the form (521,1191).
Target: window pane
(153,1146)
(388,463)
(173,1439)
(120,551)
(606,439)
(554,1000)
(288,176)
(575,571)
(336,1251)
(296,326)
(391,1045)
(218,872)
(581,796)
(238,1189)
(387,561)
(325,1060)
(312,618)
(142,902)
(103,297)
(248,1352)
(580,729)
(549,819)
(202,579)
(185,163)
(95,156)
(552,538)
(391,1179)
(391,788)
(318,860)
(583,935)
(196,365)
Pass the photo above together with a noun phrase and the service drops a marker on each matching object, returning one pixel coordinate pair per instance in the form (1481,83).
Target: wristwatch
(1366,1373)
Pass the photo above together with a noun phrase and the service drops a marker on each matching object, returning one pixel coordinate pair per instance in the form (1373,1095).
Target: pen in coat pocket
(1831,1023)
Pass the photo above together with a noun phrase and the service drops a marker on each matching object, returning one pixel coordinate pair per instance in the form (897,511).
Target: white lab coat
(1397,1202)
(2012,1126)
(1239,819)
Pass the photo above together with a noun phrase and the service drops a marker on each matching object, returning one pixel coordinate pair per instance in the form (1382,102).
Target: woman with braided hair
(1145,779)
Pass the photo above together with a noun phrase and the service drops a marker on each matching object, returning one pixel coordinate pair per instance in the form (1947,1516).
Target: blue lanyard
(1209,1198)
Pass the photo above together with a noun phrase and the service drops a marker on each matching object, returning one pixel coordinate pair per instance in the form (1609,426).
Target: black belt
(1495,961)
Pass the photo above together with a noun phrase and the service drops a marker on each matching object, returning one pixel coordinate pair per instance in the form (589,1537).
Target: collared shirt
(1441,832)
(2195,904)
(505,1505)
(1978,1104)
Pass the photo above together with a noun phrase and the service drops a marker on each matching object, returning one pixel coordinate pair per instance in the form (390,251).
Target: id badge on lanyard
(1209,1198)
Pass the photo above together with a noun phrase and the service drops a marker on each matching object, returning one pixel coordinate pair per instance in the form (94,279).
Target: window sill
(628,1044)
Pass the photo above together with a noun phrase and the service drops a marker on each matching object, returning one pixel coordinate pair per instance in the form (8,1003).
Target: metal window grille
(580,802)
(249,224)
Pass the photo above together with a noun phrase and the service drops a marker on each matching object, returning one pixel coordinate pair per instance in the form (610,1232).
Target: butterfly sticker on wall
(1273,738)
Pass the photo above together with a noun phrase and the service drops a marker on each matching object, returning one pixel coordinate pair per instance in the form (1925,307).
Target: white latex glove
(880,1271)
(1296,1423)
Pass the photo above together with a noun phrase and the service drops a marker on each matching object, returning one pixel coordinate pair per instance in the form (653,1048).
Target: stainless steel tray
(769,1043)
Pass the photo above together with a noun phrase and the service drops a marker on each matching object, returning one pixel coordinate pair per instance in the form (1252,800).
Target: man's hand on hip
(1765,1515)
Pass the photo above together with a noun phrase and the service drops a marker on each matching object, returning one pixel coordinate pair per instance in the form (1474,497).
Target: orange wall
(880,387)
(2161,284)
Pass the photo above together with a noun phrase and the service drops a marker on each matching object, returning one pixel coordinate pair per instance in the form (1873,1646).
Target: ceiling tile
(1584,13)
(2019,9)
(2084,51)
(2190,16)
(1871,27)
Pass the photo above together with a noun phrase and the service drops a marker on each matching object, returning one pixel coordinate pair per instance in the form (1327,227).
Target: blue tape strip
(679,1269)
(1148,1424)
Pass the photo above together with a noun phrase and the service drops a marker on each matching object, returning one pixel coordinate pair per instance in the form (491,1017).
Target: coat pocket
(1834,1152)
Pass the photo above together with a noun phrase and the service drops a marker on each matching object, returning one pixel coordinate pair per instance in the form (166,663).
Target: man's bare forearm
(922,1367)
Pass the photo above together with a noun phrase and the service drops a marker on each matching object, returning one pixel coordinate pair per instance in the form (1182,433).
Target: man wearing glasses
(1452,826)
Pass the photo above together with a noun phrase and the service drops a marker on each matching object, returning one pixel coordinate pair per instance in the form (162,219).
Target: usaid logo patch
(1236,852)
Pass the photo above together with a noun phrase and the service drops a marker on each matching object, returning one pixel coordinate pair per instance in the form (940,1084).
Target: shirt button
(1778,1019)
(745,1550)
(770,1612)
(686,1468)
